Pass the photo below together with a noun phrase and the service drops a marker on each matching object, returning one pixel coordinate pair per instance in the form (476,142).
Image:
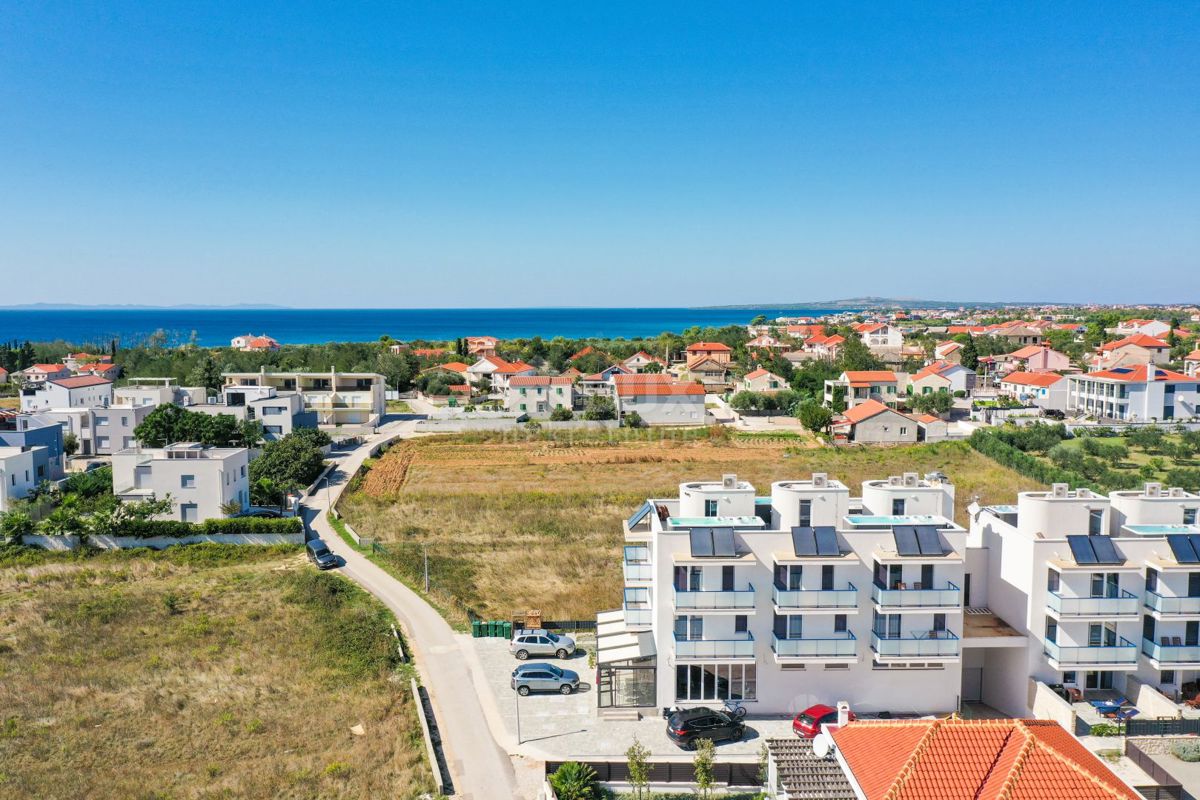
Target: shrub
(144,528)
(574,781)
(561,414)
(633,420)
(1185,751)
(1105,729)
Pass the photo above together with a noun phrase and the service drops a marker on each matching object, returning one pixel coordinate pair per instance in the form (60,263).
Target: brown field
(194,675)
(512,525)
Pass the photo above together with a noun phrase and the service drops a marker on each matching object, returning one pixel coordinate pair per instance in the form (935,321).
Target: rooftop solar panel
(641,514)
(723,542)
(1106,552)
(702,543)
(1182,548)
(1082,550)
(1195,539)
(929,541)
(804,542)
(906,540)
(827,543)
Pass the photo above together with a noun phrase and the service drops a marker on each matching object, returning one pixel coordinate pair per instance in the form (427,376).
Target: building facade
(202,482)
(337,398)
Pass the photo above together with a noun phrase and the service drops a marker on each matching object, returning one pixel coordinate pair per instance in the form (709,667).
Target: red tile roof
(587,351)
(935,368)
(1138,374)
(641,378)
(660,389)
(1193,356)
(984,759)
(81,381)
(47,368)
(539,380)
(869,327)
(948,347)
(864,411)
(511,367)
(709,347)
(1032,378)
(758,373)
(867,377)
(428,351)
(451,366)
(1029,351)
(1138,339)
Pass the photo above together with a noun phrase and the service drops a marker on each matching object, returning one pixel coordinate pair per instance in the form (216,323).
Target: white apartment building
(1135,394)
(200,480)
(280,413)
(781,601)
(81,391)
(112,427)
(538,395)
(158,392)
(18,473)
(337,398)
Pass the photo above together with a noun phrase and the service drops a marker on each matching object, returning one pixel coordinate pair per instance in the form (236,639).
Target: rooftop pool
(1159,530)
(715,522)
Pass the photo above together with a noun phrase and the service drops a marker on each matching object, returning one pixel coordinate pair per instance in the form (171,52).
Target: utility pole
(518,699)
(426,548)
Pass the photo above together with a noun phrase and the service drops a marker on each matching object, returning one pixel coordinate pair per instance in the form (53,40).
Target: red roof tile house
(659,401)
(1140,393)
(880,336)
(1191,363)
(254,344)
(480,346)
(537,396)
(1038,358)
(858,386)
(942,376)
(871,422)
(711,372)
(1042,389)
(721,353)
(103,369)
(948,351)
(79,391)
(761,380)
(1136,349)
(639,361)
(38,374)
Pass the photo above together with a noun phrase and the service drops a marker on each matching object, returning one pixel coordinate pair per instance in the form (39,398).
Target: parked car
(526,643)
(807,724)
(318,553)
(264,513)
(686,726)
(528,678)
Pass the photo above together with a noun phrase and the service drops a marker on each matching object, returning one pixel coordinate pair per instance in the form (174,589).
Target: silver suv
(540,643)
(543,678)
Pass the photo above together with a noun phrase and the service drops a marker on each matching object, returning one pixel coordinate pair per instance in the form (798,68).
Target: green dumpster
(475,629)
(491,629)
(506,630)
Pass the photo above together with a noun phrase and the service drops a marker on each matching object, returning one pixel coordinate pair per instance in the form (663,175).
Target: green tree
(290,462)
(599,407)
(561,414)
(969,356)
(70,444)
(814,416)
(746,401)
(633,420)
(574,781)
(932,403)
(206,373)
(639,770)
(653,368)
(702,765)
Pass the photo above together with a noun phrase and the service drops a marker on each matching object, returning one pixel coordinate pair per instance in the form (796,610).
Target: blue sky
(598,154)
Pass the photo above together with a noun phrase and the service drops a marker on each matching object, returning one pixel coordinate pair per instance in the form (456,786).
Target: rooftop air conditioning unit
(910,479)
(729,481)
(895,480)
(1177,492)
(1059,489)
(820,480)
(1153,489)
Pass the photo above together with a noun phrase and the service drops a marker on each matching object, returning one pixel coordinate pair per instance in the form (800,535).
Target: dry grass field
(512,525)
(198,673)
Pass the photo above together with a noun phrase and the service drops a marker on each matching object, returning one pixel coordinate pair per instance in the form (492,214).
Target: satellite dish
(820,747)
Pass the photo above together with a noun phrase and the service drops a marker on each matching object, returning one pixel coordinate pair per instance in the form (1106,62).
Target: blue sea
(215,327)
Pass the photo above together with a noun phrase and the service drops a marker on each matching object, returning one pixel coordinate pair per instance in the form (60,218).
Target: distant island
(874,302)
(134,307)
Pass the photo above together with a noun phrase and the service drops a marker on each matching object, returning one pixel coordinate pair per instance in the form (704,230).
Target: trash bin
(506,630)
(492,630)
(475,629)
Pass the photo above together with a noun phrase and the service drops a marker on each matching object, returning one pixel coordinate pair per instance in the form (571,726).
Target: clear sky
(508,154)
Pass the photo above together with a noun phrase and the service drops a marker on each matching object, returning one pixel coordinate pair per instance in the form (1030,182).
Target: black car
(319,554)
(685,726)
(263,513)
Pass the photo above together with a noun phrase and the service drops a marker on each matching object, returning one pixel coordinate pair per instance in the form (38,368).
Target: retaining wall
(70,542)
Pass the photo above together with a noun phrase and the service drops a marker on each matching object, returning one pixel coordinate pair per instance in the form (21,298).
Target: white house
(38,374)
(871,422)
(1191,363)
(1042,389)
(80,391)
(1134,394)
(658,400)
(1132,350)
(880,336)
(942,376)
(761,380)
(639,361)
(538,395)
(201,481)
(858,386)
(1148,327)
(18,473)
(337,398)
(254,344)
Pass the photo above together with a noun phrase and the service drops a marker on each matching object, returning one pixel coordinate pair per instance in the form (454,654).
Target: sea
(215,327)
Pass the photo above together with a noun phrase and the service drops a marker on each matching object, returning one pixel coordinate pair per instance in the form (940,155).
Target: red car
(808,722)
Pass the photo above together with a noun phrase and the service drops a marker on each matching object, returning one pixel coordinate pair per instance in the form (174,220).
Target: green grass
(398,407)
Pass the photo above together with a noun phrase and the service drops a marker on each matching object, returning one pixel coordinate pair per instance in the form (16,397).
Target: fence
(1168,789)
(1162,727)
(662,772)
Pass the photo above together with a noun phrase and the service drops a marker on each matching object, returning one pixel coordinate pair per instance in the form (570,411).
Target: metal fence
(1162,727)
(729,774)
(1168,789)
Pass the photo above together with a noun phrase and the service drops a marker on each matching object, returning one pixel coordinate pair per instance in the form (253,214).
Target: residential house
(880,337)
(871,422)
(454,371)
(1191,363)
(639,361)
(496,370)
(572,373)
(587,350)
(537,396)
(80,391)
(931,428)
(721,353)
(1046,390)
(482,346)
(100,369)
(112,427)
(1130,351)
(764,381)
(942,376)
(658,400)
(3,375)
(1134,394)
(38,374)
(158,392)
(710,372)
(18,474)
(337,398)
(765,341)
(1017,332)
(73,361)
(826,347)
(858,386)
(39,435)
(278,412)
(254,344)
(1156,329)
(506,371)
(948,351)
(1038,358)
(201,481)
(805,330)
(422,352)
(602,382)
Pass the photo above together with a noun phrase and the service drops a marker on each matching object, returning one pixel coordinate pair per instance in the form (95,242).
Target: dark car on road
(544,678)
(319,554)
(686,726)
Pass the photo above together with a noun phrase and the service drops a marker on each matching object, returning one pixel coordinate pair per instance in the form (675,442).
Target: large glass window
(715,682)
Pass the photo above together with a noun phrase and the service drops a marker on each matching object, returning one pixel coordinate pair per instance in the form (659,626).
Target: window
(187,481)
(710,508)
(903,431)
(716,682)
(1095,522)
(805,513)
(739,623)
(827,577)
(839,623)
(1051,631)
(522,406)
(1097,589)
(1053,581)
(100,421)
(1189,516)
(1069,677)
(1151,579)
(1167,677)
(898,507)
(795,626)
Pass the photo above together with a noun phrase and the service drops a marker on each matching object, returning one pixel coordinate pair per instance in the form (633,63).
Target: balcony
(1122,654)
(637,616)
(917,645)
(638,571)
(817,599)
(1124,605)
(950,597)
(716,599)
(1171,655)
(841,649)
(1165,606)
(715,648)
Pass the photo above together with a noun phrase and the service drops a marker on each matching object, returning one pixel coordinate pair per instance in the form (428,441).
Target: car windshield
(555,670)
(808,719)
(553,636)
(320,551)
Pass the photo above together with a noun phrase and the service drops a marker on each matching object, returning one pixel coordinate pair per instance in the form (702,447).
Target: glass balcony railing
(1124,605)
(715,599)
(950,597)
(816,598)
(1124,653)
(844,647)
(638,572)
(1172,605)
(714,648)
(1171,653)
(919,644)
(638,616)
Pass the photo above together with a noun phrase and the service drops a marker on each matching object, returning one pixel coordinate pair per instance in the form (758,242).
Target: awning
(616,643)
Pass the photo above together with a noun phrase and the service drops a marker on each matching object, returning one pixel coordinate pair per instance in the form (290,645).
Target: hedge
(990,445)
(143,529)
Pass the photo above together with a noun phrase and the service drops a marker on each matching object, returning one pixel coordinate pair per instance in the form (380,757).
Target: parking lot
(556,726)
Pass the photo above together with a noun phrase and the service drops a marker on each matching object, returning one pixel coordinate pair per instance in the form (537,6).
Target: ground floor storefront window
(716,682)
(628,684)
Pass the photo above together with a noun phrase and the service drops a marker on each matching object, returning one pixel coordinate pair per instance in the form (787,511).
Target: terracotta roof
(935,368)
(867,377)
(701,360)
(1029,351)
(539,380)
(571,372)
(758,373)
(50,368)
(587,351)
(948,347)
(1032,378)
(660,389)
(869,327)
(1137,374)
(709,347)
(1192,356)
(646,356)
(510,367)
(428,351)
(451,366)
(1069,326)
(984,759)
(864,411)
(81,381)
(953,329)
(641,378)
(1138,339)
(927,418)
(806,330)
(491,339)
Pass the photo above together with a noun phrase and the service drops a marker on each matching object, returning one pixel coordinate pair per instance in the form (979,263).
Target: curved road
(480,769)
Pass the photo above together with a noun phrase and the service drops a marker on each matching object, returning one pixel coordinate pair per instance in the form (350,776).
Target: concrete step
(620,714)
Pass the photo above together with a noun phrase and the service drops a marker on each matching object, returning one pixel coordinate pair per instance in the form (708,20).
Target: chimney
(843,712)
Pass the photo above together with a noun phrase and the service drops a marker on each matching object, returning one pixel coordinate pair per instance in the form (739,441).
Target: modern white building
(279,413)
(200,480)
(112,427)
(337,398)
(781,601)
(158,392)
(18,473)
(538,395)
(1042,389)
(1135,394)
(81,391)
